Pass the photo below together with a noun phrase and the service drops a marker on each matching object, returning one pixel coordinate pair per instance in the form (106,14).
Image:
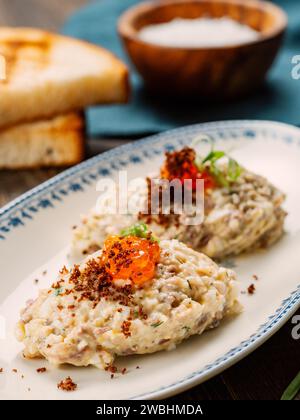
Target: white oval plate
(35,232)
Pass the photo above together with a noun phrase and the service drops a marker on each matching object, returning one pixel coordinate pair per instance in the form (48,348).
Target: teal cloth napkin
(279,98)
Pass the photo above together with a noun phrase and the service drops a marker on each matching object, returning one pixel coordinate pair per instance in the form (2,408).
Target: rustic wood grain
(181,71)
(262,375)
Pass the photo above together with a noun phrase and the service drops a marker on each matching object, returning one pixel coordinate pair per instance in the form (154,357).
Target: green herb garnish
(156,324)
(223,178)
(292,390)
(139,230)
(189,283)
(213,156)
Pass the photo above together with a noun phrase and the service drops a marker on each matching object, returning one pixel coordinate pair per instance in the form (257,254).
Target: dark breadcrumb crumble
(41,370)
(251,289)
(67,384)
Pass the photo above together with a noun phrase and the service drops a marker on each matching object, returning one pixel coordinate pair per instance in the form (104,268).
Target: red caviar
(181,165)
(130,258)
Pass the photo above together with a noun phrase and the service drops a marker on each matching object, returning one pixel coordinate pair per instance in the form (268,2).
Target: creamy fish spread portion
(135,296)
(242,212)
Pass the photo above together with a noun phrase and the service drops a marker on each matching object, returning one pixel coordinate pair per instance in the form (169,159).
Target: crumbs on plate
(251,289)
(67,384)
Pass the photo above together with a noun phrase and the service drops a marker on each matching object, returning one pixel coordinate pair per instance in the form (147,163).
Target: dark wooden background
(262,375)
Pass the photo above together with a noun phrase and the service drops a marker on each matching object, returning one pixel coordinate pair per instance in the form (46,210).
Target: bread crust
(56,142)
(49,74)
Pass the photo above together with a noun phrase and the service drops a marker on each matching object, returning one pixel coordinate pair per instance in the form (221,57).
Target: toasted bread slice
(56,142)
(49,75)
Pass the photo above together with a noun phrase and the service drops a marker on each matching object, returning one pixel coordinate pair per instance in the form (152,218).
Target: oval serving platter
(35,231)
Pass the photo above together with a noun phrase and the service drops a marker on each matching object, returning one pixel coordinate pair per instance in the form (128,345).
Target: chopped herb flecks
(156,324)
(186,328)
(58,291)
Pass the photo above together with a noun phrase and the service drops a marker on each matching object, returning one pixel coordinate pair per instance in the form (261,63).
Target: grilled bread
(48,75)
(55,142)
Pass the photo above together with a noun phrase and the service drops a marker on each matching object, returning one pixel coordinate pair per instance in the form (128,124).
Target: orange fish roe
(130,258)
(181,165)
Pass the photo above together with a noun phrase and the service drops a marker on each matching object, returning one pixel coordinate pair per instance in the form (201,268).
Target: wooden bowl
(210,72)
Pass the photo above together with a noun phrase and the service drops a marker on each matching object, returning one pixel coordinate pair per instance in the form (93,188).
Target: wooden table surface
(262,375)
